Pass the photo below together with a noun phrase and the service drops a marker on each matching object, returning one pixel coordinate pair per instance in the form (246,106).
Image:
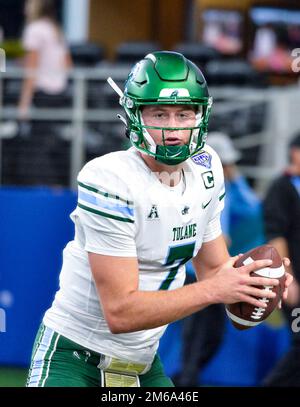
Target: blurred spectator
(241,204)
(203,331)
(282,228)
(224,35)
(47,57)
(264,42)
(272,50)
(47,62)
(281,60)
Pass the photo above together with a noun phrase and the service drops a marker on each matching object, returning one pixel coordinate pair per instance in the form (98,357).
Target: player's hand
(291,293)
(235,284)
(288,281)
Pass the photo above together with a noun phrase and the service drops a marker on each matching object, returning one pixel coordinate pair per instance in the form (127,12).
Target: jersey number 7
(178,256)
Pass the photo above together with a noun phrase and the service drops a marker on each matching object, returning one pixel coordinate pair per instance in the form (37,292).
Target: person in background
(241,203)
(282,228)
(203,331)
(47,62)
(264,42)
(47,58)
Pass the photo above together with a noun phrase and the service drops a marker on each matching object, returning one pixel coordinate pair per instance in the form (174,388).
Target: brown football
(244,315)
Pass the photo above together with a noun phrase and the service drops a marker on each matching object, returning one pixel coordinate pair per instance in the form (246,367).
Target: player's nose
(173,122)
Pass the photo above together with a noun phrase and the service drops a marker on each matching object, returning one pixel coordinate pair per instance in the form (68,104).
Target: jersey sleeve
(33,37)
(105,213)
(213,228)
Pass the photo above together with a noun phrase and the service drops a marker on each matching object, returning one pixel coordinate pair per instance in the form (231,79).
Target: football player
(141,215)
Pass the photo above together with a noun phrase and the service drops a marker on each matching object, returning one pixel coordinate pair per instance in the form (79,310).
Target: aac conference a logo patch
(203,159)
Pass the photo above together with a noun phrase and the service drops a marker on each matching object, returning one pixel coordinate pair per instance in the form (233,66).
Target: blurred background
(248,53)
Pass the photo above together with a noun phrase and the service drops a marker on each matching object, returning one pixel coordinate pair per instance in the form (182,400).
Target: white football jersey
(124,210)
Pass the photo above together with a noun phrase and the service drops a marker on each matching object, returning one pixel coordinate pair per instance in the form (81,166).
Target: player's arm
(31,64)
(68,60)
(127,309)
(210,257)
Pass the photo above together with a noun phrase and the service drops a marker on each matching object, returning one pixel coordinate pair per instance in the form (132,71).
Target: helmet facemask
(168,154)
(165,78)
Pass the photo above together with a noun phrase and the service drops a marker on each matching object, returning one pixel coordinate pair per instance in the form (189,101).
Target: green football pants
(59,362)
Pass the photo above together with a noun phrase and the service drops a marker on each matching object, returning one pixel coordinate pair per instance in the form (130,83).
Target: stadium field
(12,377)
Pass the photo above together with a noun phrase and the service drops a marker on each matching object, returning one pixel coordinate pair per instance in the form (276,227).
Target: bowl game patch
(203,159)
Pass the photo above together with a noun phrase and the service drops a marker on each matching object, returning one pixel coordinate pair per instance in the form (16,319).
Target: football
(244,315)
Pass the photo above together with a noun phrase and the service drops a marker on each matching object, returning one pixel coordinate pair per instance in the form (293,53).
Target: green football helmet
(165,78)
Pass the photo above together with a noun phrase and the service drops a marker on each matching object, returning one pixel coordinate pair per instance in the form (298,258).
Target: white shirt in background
(43,36)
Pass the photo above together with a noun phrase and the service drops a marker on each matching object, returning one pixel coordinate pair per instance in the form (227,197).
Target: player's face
(169,116)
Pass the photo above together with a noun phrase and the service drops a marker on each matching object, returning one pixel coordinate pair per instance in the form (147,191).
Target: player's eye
(160,115)
(186,115)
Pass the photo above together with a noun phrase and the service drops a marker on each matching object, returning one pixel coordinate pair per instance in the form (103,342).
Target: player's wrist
(208,293)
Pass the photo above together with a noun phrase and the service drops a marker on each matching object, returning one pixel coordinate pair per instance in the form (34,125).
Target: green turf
(12,377)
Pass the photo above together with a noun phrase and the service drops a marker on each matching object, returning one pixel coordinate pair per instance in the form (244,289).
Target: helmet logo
(174,93)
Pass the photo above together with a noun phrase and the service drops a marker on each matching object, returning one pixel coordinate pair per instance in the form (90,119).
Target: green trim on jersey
(107,215)
(105,194)
(222,196)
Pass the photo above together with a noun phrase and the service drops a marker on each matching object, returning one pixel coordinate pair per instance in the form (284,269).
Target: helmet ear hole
(134,136)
